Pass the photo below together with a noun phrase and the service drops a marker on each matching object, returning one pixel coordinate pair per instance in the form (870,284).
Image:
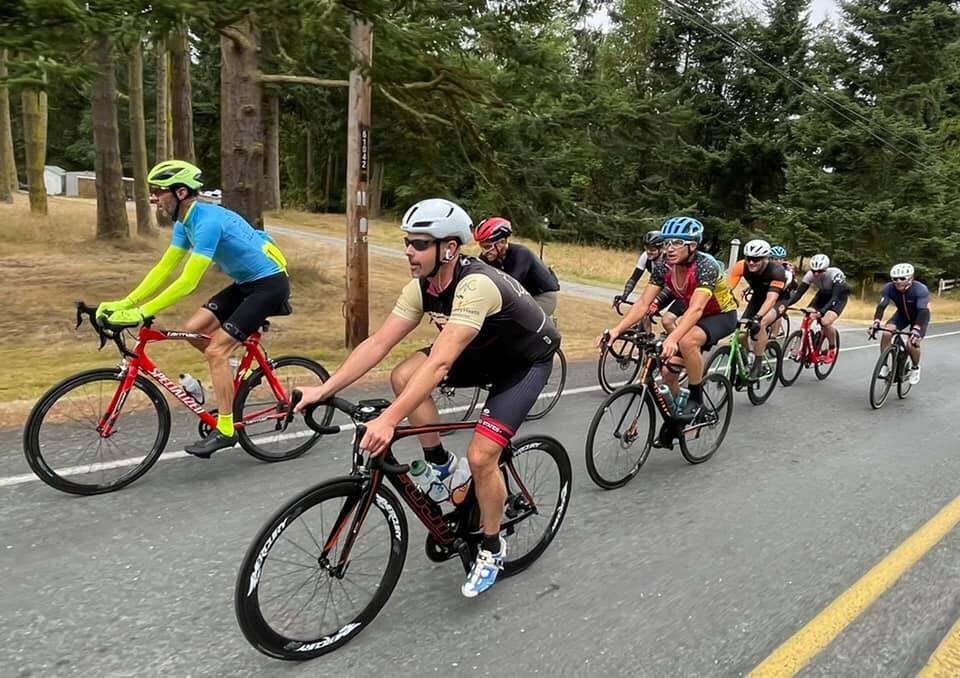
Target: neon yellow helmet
(170,173)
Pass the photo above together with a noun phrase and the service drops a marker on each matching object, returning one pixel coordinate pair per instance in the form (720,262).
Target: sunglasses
(418,245)
(487,246)
(900,280)
(674,243)
(753,260)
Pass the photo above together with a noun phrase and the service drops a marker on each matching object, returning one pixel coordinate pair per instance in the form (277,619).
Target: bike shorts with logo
(823,299)
(242,308)
(512,391)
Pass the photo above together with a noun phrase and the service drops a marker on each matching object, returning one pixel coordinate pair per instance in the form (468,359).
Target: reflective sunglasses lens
(418,245)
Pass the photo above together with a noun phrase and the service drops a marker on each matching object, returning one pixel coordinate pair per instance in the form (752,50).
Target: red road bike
(99,430)
(805,348)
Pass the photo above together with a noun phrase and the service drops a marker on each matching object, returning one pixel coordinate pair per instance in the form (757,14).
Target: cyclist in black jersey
(492,333)
(669,307)
(768,281)
(492,234)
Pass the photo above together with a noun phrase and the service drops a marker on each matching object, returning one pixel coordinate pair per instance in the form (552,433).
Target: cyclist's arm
(186,283)
(692,315)
(798,293)
(158,275)
(371,351)
(631,282)
(451,342)
(774,289)
(639,309)
(882,306)
(736,274)
(923,312)
(840,288)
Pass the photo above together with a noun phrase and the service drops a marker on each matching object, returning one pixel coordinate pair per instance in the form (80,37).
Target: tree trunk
(35,143)
(8,163)
(164,122)
(271,153)
(241,122)
(376,189)
(328,183)
(310,170)
(138,140)
(111,201)
(182,96)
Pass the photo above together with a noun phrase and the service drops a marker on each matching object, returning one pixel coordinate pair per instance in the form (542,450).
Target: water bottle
(665,392)
(427,481)
(682,397)
(460,481)
(193,386)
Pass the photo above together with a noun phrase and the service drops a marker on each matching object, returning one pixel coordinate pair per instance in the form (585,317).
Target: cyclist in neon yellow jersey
(210,234)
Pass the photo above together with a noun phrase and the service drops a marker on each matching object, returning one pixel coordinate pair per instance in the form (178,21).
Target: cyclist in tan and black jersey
(492,334)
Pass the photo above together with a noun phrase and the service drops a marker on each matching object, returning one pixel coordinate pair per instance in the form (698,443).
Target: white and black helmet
(819,262)
(902,271)
(757,248)
(439,218)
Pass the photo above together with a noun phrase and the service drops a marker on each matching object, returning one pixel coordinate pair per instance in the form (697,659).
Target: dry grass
(51,262)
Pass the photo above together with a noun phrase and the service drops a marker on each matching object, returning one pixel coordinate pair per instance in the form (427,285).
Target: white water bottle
(460,481)
(425,477)
(193,386)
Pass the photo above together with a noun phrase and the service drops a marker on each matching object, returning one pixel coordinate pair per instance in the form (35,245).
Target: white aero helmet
(902,271)
(757,248)
(440,218)
(819,262)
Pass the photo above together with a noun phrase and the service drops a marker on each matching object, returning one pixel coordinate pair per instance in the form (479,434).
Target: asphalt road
(687,571)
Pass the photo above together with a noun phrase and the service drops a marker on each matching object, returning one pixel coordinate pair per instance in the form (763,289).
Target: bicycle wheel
(903,381)
(262,408)
(620,436)
(720,363)
(784,332)
(619,363)
(552,390)
(538,475)
(823,370)
(456,403)
(64,448)
(792,364)
(758,391)
(880,386)
(290,601)
(699,442)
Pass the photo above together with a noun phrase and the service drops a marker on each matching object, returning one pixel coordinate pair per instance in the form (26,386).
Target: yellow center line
(945,661)
(807,643)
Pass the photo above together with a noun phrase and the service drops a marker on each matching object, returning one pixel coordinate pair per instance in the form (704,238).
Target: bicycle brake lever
(295,399)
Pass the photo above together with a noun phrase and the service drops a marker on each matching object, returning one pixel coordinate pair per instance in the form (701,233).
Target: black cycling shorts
(822,301)
(757,301)
(717,327)
(242,308)
(899,321)
(513,391)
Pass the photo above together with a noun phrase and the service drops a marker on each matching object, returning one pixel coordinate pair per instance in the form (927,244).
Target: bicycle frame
(735,365)
(137,361)
(807,351)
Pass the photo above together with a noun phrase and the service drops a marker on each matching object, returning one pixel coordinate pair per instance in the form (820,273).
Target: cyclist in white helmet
(912,301)
(831,298)
(492,333)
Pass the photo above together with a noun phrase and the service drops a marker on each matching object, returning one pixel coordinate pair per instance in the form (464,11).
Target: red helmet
(492,229)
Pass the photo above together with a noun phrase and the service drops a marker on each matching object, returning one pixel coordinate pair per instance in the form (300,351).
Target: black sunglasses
(418,245)
(754,260)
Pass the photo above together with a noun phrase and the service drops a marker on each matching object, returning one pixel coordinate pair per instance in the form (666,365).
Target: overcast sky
(821,9)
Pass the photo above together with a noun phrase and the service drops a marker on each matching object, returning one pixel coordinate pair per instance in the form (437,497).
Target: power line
(844,111)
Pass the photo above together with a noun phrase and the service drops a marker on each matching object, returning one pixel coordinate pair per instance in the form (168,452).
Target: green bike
(731,362)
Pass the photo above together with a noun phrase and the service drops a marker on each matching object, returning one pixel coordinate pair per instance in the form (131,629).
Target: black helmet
(653,239)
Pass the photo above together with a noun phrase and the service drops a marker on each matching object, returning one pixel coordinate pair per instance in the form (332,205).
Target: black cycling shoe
(664,439)
(756,370)
(214,441)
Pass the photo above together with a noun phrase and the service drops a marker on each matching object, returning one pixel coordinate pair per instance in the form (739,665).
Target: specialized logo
(258,564)
(178,392)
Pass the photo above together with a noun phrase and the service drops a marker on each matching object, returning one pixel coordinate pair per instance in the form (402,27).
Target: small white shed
(54,179)
(73,182)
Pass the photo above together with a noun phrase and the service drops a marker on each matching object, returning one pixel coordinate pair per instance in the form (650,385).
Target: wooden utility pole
(356,308)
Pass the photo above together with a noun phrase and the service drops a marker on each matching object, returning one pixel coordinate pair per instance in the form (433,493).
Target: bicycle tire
(613,481)
(35,449)
(723,419)
(455,399)
(552,401)
(792,358)
(903,381)
(282,644)
(754,393)
(719,363)
(516,562)
(823,370)
(628,363)
(274,409)
(880,387)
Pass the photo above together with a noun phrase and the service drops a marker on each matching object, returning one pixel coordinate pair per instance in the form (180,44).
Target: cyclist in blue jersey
(912,301)
(211,234)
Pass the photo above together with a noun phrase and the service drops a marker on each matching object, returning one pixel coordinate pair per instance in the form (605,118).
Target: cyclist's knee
(483,453)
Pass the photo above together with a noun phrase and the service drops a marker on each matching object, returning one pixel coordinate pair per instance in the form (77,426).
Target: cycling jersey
(772,278)
(703,273)
(913,305)
(529,270)
(832,290)
(242,252)
(644,263)
(513,329)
